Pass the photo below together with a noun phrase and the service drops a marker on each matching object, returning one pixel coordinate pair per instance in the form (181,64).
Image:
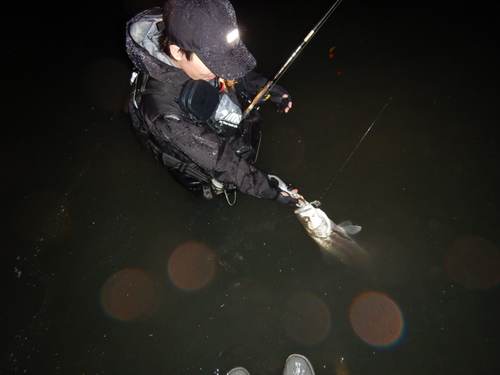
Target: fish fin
(351,229)
(345,223)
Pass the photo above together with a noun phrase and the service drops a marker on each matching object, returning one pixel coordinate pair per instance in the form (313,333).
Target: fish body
(333,239)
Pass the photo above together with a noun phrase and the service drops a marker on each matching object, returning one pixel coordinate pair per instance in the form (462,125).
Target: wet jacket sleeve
(213,154)
(254,82)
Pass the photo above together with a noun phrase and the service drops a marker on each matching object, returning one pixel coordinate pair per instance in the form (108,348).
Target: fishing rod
(262,95)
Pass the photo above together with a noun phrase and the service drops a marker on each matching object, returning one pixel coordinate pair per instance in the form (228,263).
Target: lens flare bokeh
(306,318)
(129,294)
(376,319)
(191,266)
(473,262)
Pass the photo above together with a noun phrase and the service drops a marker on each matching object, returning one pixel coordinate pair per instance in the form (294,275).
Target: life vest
(205,105)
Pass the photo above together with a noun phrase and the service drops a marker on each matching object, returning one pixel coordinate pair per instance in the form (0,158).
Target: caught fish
(334,239)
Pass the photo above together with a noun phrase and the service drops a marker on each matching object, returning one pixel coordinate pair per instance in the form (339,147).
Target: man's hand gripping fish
(334,239)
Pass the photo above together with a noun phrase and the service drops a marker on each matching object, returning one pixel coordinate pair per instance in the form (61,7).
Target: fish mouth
(304,208)
(301,210)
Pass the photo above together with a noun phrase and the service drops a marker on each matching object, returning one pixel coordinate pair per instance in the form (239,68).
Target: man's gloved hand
(281,99)
(286,200)
(283,195)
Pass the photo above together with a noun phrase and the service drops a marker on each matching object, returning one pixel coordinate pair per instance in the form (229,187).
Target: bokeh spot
(128,294)
(191,266)
(376,319)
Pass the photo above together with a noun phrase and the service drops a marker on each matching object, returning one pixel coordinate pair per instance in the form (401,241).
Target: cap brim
(234,63)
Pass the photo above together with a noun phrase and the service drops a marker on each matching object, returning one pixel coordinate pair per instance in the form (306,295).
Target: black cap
(209,29)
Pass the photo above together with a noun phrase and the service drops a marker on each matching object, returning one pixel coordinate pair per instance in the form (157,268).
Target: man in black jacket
(194,76)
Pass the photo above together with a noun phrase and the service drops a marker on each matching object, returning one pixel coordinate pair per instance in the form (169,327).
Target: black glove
(278,100)
(286,200)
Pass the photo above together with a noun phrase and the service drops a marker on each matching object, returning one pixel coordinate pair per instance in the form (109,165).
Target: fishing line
(355,148)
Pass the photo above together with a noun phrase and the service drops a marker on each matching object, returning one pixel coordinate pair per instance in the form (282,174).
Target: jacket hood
(143,49)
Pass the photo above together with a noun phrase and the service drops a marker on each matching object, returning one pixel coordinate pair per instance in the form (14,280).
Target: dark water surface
(110,267)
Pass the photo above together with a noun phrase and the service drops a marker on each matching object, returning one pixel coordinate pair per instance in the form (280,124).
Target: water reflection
(376,319)
(473,262)
(306,318)
(105,82)
(191,266)
(291,158)
(436,141)
(42,216)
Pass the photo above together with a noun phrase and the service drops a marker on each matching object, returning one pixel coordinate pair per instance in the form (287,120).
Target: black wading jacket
(191,142)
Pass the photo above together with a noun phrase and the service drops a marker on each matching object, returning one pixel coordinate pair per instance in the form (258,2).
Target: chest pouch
(206,103)
(199,98)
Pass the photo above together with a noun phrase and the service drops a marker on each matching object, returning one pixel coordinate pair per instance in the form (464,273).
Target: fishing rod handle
(260,97)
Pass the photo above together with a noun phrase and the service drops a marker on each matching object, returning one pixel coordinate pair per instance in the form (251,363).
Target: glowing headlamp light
(232,36)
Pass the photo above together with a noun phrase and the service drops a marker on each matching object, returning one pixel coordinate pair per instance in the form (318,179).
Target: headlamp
(232,36)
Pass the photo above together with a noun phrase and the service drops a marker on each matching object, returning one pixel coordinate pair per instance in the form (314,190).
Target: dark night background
(88,218)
